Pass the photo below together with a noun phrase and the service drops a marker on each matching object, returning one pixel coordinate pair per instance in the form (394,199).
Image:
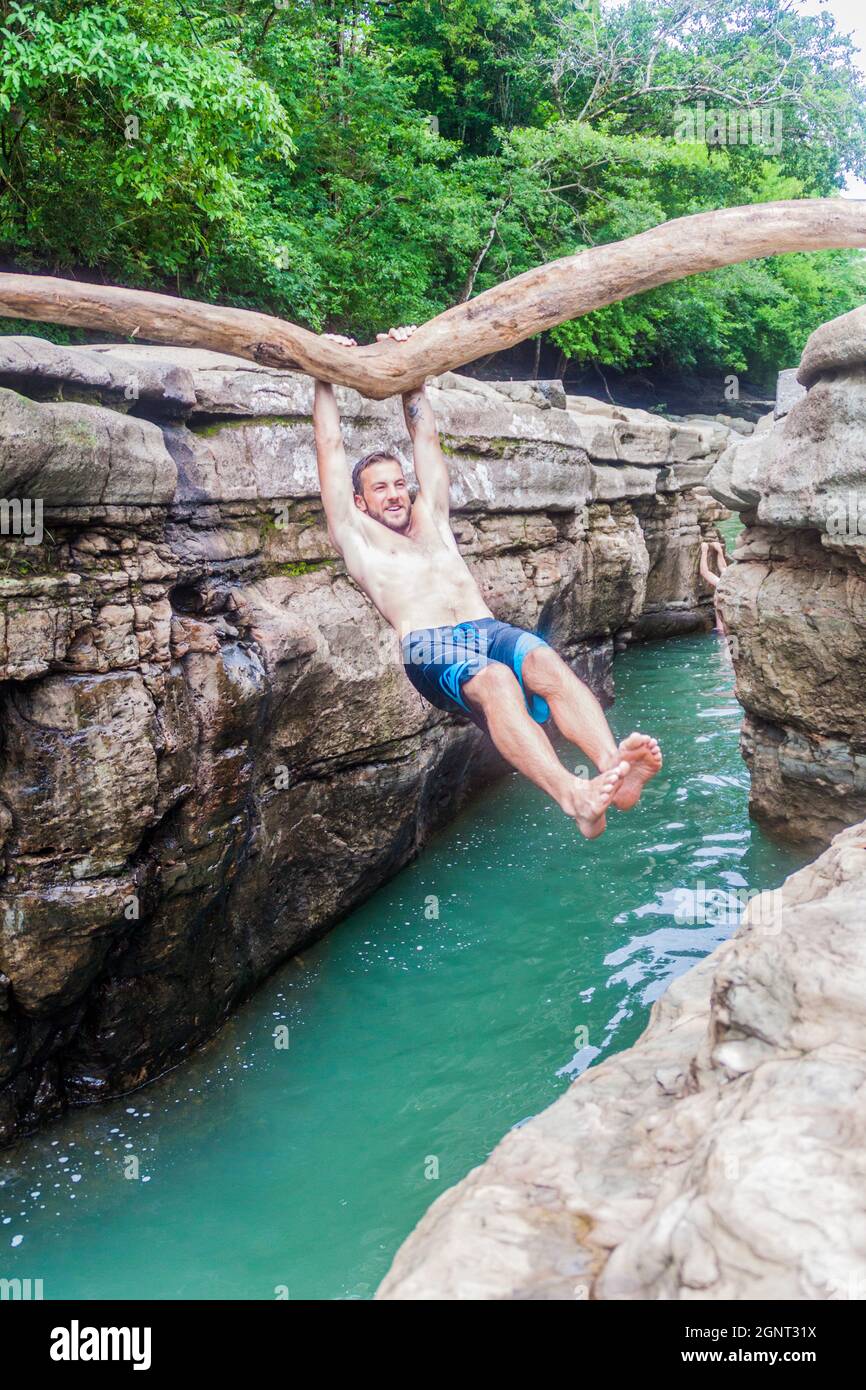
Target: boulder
(119,377)
(77,454)
(839,343)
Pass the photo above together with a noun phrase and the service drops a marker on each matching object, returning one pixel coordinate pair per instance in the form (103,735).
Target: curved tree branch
(497,319)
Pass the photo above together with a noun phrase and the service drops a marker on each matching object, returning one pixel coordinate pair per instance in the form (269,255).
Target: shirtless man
(456,654)
(714,579)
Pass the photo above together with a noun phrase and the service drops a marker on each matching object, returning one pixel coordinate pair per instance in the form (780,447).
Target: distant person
(403,555)
(714,579)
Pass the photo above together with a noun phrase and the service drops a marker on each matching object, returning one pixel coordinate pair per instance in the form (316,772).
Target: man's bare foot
(588,802)
(643,760)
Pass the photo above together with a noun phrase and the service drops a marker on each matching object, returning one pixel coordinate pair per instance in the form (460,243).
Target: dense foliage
(353,163)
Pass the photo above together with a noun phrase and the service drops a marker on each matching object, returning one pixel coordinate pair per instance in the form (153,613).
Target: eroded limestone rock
(72,453)
(794,601)
(48,371)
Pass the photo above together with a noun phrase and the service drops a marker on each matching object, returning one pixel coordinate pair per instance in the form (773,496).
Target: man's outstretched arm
(335,482)
(431,470)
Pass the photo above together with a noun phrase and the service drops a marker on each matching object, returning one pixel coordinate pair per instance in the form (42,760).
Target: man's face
(385,495)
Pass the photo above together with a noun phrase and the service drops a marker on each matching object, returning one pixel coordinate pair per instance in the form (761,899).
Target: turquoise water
(414,1040)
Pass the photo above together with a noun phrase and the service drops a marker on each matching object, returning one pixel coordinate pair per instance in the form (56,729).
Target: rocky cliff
(208,751)
(794,602)
(721,1157)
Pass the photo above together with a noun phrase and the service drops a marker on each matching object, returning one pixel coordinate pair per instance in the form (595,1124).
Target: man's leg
(496,691)
(580,718)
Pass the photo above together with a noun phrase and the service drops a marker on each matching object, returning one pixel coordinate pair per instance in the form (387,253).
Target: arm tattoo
(412,406)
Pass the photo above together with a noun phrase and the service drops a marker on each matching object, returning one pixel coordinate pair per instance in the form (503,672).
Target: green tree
(350,163)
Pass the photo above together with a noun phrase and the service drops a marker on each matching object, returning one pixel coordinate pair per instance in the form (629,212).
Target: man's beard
(398,519)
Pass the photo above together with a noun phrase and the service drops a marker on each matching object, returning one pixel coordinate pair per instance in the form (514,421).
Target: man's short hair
(377,456)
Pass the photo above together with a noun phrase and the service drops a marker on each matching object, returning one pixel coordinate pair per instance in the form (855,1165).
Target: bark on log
(497,319)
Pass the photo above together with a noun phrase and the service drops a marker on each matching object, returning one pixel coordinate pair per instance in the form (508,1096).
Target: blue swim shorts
(439,661)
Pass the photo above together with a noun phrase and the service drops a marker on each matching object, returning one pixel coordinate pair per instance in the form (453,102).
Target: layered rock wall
(208,750)
(794,601)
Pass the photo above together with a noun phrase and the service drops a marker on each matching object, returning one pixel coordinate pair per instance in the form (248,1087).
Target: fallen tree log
(497,319)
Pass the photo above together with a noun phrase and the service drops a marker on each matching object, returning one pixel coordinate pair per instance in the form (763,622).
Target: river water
(292,1156)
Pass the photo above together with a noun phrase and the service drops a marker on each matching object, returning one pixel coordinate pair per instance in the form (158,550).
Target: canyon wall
(794,603)
(208,750)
